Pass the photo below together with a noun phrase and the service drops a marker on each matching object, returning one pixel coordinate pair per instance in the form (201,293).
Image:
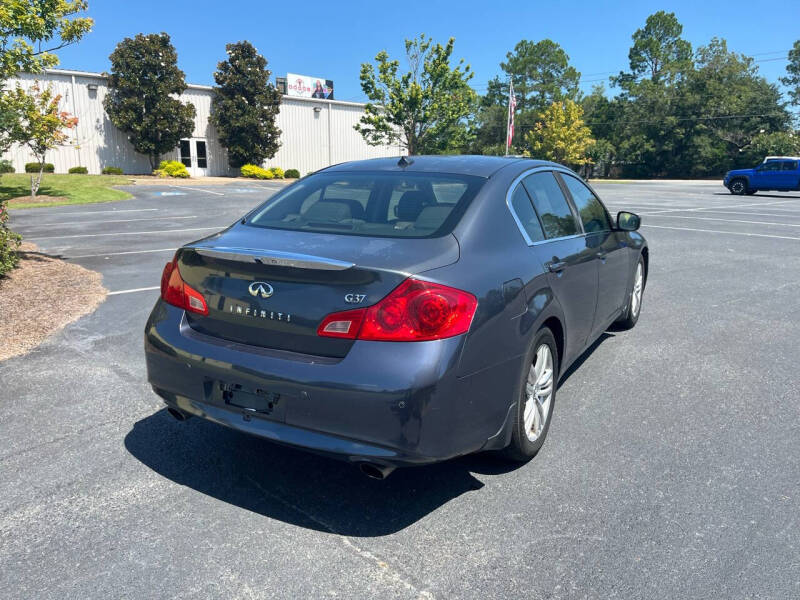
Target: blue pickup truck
(780,173)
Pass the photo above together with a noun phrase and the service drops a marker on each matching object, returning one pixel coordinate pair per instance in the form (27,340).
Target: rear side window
(382,204)
(592,214)
(523,209)
(554,212)
(790,165)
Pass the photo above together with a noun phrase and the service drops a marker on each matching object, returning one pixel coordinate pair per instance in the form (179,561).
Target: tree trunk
(154,161)
(410,144)
(37,182)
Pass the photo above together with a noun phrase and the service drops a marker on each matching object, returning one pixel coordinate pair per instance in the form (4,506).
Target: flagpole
(508,116)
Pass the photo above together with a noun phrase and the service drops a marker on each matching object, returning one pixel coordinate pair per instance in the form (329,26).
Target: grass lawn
(62,189)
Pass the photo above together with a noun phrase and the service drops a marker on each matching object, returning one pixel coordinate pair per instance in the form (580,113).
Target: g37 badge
(354,298)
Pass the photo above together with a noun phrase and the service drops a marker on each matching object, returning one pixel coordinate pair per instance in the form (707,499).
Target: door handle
(602,256)
(556,267)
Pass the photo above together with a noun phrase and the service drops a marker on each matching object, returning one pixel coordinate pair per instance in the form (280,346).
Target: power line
(478,88)
(692,118)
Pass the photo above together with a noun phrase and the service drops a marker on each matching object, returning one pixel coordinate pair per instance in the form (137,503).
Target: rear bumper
(392,403)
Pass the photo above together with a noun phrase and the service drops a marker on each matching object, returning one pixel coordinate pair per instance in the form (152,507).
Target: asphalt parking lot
(671,469)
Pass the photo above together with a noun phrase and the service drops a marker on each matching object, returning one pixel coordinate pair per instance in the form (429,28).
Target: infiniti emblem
(260,288)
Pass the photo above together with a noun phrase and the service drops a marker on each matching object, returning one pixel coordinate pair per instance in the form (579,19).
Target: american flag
(512,106)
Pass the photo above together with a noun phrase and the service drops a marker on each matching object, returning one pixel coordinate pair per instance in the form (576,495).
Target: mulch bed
(40,297)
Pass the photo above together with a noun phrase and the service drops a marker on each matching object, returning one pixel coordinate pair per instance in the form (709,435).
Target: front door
(767,175)
(194,154)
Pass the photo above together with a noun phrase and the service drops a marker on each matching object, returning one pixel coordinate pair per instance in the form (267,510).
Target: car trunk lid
(272,288)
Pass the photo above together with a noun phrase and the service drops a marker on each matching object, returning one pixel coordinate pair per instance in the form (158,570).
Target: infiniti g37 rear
(397,313)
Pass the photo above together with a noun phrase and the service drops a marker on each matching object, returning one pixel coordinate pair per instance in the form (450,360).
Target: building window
(202,162)
(186,153)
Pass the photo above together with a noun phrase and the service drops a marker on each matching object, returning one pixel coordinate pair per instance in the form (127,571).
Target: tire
(527,436)
(634,307)
(738,187)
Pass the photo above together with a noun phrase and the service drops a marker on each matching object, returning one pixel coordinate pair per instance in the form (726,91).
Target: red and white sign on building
(309,87)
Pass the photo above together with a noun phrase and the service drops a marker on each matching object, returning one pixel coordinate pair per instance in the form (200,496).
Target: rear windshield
(412,205)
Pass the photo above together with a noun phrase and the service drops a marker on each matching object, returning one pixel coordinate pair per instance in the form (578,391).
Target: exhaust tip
(179,416)
(375,471)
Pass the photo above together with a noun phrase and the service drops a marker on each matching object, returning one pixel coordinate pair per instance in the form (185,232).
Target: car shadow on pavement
(586,354)
(298,487)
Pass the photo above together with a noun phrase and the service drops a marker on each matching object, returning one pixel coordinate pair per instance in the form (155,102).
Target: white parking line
(113,221)
(183,187)
(121,253)
(748,213)
(764,235)
(113,210)
(714,207)
(61,237)
(144,289)
(728,220)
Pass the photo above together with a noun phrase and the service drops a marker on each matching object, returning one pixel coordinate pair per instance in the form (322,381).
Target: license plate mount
(253,400)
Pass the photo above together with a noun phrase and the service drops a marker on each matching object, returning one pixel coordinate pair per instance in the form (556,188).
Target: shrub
(292,174)
(6,166)
(34,167)
(78,171)
(9,242)
(277,172)
(256,172)
(171,168)
(112,171)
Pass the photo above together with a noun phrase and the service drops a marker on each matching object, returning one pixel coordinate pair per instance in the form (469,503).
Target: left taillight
(175,291)
(414,311)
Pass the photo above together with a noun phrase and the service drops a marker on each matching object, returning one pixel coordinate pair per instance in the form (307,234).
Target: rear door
(570,260)
(610,249)
(788,178)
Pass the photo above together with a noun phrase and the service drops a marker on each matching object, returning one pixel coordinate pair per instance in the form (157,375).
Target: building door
(194,154)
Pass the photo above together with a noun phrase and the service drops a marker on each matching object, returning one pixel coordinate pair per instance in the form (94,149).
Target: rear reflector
(176,292)
(414,311)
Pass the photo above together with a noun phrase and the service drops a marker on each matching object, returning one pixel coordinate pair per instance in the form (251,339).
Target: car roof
(483,166)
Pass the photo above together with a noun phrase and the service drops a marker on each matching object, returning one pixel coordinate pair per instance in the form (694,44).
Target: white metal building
(315,133)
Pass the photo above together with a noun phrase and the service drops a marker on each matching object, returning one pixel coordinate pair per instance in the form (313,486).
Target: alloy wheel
(638,288)
(539,393)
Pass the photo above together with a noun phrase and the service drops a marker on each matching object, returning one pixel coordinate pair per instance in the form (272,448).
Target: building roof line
(196,86)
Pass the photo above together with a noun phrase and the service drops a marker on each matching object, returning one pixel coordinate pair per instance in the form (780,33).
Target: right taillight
(175,291)
(414,311)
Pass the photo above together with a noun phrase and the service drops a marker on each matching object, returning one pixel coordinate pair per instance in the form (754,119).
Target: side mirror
(628,221)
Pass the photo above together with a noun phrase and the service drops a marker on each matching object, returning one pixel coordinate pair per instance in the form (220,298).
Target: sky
(328,39)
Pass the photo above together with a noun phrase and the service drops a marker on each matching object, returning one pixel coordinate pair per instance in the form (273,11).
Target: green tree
(602,154)
(792,79)
(38,124)
(561,135)
(245,105)
(425,109)
(144,80)
(541,74)
(779,143)
(32,30)
(653,126)
(658,52)
(733,105)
